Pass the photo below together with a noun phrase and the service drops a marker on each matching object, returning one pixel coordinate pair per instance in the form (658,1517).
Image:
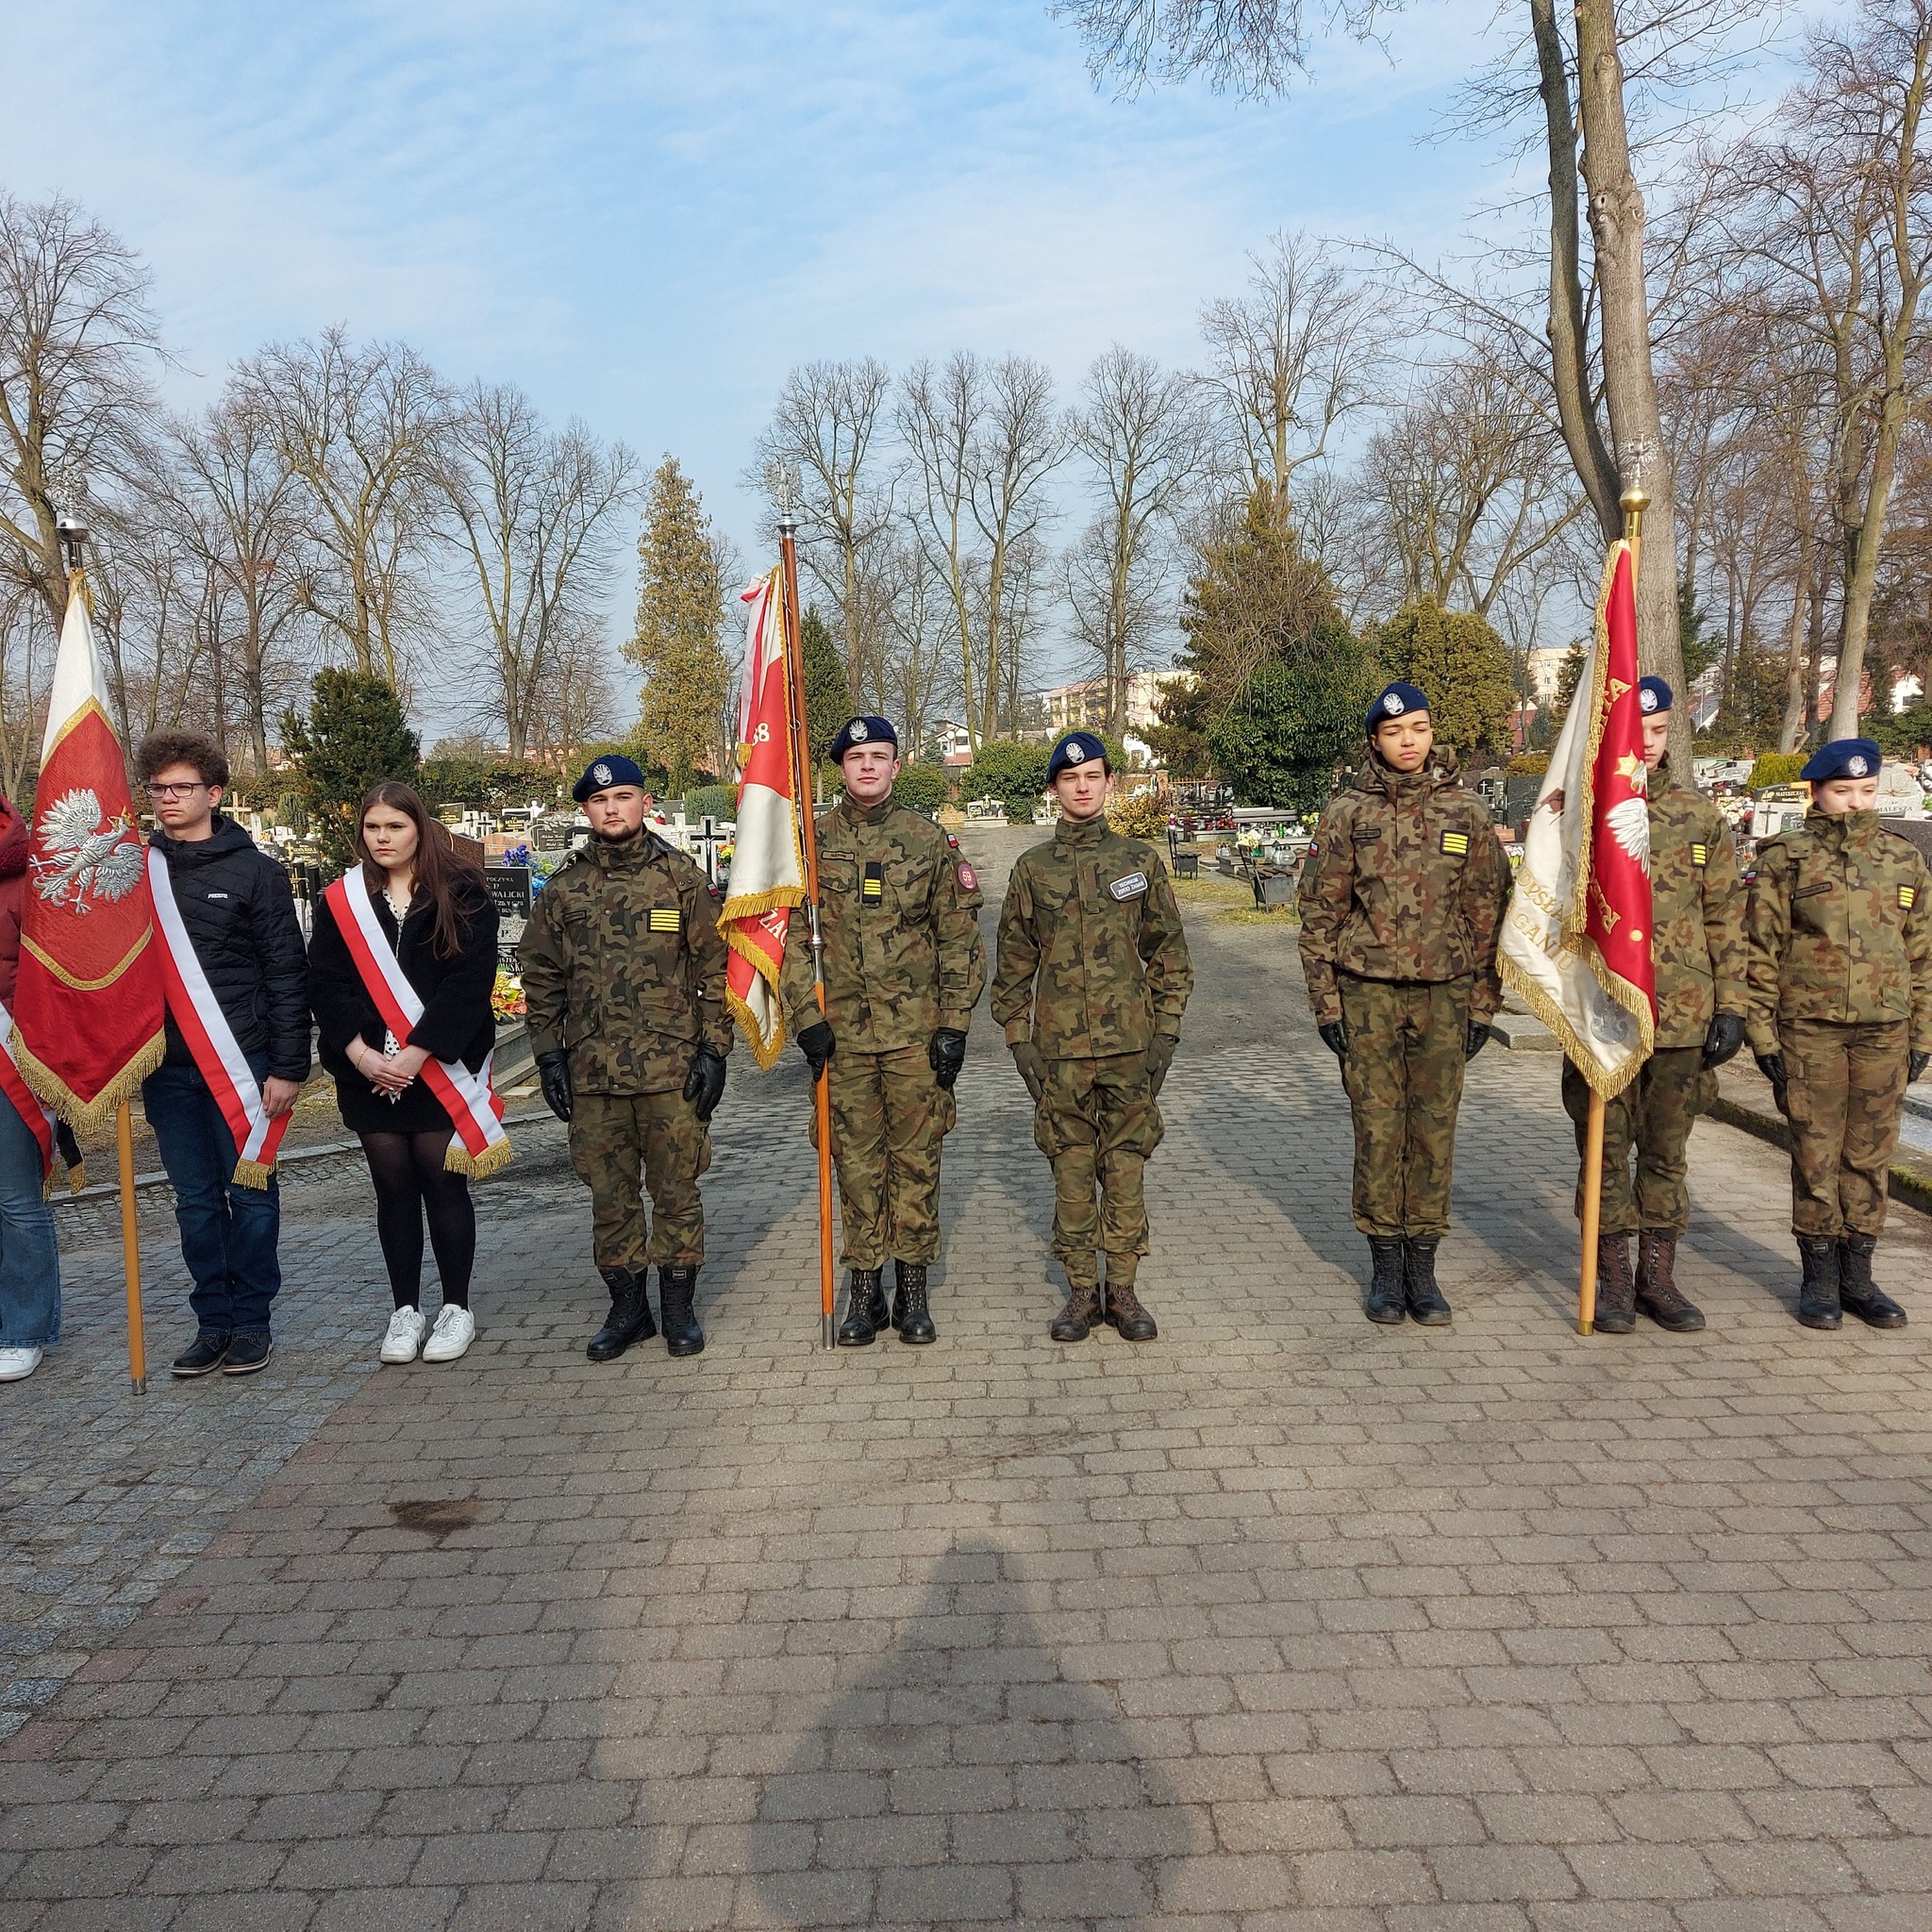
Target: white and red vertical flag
(768,863)
(89,1001)
(1577,941)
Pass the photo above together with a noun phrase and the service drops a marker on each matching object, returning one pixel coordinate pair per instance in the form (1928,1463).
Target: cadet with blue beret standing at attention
(904,966)
(624,974)
(1839,967)
(1090,979)
(1697,950)
(1401,901)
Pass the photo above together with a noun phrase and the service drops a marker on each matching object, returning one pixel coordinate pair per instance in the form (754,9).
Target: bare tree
(243,509)
(920,629)
(27,663)
(530,509)
(77,341)
(361,430)
(824,431)
(1290,359)
(1836,208)
(1146,442)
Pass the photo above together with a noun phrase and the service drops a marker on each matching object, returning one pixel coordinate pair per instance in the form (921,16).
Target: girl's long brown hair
(452,884)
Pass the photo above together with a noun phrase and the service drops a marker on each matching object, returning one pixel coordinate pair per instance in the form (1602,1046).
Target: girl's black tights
(412,1186)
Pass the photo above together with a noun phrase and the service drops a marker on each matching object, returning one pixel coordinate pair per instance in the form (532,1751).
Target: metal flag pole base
(1593,1212)
(130,1250)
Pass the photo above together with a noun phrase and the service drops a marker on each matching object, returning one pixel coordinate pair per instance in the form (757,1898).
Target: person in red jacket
(29,1260)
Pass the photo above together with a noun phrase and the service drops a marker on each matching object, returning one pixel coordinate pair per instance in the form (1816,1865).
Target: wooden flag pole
(1635,500)
(802,788)
(130,1249)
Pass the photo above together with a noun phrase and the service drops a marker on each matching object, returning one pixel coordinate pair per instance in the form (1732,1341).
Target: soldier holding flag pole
(1576,943)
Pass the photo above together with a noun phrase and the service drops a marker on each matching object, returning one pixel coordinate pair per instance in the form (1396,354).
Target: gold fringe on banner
(476,1167)
(89,1116)
(254,1173)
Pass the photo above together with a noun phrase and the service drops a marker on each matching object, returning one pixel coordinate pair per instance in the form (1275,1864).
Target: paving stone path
(1284,1622)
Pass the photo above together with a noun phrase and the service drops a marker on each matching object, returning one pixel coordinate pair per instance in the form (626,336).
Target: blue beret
(1396,702)
(1653,695)
(1844,758)
(863,731)
(1076,748)
(604,772)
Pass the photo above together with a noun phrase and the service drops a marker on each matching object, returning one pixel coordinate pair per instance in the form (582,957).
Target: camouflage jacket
(1696,913)
(1090,957)
(622,964)
(1839,928)
(1404,881)
(899,912)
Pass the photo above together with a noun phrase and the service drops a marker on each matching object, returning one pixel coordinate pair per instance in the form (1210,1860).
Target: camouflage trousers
(1097,1122)
(617,1138)
(889,1117)
(1651,1118)
(1845,1094)
(1403,1072)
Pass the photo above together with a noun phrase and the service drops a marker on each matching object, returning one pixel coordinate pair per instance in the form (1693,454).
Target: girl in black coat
(434,910)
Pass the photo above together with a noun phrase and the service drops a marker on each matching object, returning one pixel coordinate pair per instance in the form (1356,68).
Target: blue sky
(645,213)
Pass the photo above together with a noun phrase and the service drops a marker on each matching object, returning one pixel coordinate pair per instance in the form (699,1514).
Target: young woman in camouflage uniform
(1402,900)
(1839,967)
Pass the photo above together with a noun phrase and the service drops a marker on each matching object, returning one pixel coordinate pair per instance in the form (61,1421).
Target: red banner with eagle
(766,862)
(1577,941)
(88,1003)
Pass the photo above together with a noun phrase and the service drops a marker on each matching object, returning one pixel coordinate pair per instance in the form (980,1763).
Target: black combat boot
(1818,1302)
(865,1308)
(1074,1322)
(1419,1289)
(1616,1293)
(910,1315)
(1384,1304)
(677,1288)
(1857,1292)
(1657,1294)
(630,1315)
(1121,1306)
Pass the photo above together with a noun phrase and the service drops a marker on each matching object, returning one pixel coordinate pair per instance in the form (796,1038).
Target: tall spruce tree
(354,736)
(827,689)
(686,679)
(1463,666)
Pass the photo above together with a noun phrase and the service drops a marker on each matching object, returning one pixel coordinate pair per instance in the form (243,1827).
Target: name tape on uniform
(1131,886)
(1455,843)
(667,919)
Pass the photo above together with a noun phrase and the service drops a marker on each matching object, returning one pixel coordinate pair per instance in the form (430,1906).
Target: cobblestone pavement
(1283,1622)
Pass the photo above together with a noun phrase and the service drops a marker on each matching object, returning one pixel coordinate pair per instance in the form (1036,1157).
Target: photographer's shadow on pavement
(969,1774)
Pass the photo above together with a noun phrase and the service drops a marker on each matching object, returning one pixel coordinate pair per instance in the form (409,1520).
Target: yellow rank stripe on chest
(1906,895)
(667,919)
(873,888)
(1455,843)
(1700,854)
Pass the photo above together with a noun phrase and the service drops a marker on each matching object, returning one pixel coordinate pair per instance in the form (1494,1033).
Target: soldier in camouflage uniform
(1697,949)
(1839,968)
(1090,979)
(1401,901)
(904,965)
(624,974)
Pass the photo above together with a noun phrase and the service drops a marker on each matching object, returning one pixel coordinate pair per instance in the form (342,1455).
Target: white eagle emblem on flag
(85,858)
(1629,822)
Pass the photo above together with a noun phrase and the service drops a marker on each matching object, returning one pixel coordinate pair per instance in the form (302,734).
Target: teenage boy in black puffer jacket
(240,919)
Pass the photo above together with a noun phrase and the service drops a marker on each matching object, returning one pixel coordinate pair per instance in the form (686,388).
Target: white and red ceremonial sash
(480,1145)
(26,1103)
(211,1039)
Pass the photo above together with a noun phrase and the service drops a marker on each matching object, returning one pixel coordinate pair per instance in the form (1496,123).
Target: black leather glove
(1474,1039)
(1032,1065)
(703,1085)
(1723,1039)
(1772,1065)
(1335,1038)
(1915,1065)
(816,1042)
(1160,1050)
(945,1052)
(553,1073)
